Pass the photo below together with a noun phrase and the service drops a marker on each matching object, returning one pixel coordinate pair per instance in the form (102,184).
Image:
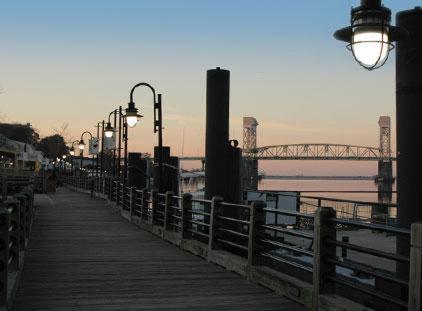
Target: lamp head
(81,144)
(370,34)
(132,115)
(72,151)
(108,131)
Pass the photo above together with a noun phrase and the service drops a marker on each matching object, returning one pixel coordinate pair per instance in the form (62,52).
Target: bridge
(98,244)
(312,151)
(317,152)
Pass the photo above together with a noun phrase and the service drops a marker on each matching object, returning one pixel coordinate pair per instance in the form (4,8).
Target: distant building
(19,155)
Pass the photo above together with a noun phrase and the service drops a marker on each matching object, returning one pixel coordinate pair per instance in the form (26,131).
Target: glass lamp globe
(108,132)
(132,115)
(370,47)
(131,120)
(72,152)
(81,145)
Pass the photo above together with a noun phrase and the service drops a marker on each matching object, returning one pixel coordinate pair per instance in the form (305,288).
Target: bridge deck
(82,256)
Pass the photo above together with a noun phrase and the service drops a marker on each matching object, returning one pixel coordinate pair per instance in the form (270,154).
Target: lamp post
(82,144)
(370,35)
(98,126)
(109,130)
(72,151)
(132,118)
(64,163)
(371,17)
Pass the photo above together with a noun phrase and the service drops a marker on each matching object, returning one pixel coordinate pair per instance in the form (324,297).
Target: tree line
(52,146)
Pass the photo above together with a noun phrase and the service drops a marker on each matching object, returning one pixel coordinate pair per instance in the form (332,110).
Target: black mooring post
(222,161)
(96,156)
(114,150)
(119,146)
(102,150)
(217,132)
(409,125)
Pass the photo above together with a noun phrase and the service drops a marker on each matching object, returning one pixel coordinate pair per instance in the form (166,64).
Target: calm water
(322,188)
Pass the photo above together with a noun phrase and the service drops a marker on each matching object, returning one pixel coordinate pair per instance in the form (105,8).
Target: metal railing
(319,255)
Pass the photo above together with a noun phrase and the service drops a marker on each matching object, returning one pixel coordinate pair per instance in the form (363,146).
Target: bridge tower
(249,133)
(250,166)
(385,165)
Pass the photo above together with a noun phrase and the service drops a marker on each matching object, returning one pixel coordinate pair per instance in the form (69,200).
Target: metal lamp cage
(371,15)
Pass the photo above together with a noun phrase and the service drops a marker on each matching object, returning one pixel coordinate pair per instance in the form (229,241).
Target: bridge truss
(317,152)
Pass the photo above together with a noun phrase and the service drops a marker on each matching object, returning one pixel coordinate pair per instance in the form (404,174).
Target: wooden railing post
(3,188)
(186,216)
(92,187)
(44,182)
(257,220)
(144,204)
(110,191)
(14,206)
(131,200)
(168,210)
(415,268)
(117,192)
(323,230)
(22,220)
(154,201)
(4,252)
(214,223)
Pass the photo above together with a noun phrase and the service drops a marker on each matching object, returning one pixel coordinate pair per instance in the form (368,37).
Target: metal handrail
(382,228)
(369,251)
(233,219)
(345,282)
(288,247)
(374,272)
(298,195)
(289,232)
(288,213)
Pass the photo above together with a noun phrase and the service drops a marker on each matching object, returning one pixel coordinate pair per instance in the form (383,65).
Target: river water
(323,187)
(359,190)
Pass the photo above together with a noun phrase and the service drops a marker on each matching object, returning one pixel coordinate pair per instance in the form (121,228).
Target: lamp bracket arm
(86,132)
(142,84)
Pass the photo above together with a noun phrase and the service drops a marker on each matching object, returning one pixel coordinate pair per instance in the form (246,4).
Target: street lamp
(370,34)
(82,144)
(72,150)
(110,130)
(132,117)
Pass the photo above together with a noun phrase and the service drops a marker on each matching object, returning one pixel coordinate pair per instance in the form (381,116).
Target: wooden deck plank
(82,256)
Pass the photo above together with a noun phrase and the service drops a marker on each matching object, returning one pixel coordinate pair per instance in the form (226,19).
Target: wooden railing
(315,266)
(16,215)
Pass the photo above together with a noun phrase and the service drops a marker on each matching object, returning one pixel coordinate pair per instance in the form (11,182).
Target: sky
(72,62)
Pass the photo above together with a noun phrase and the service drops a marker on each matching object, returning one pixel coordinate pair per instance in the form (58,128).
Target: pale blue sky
(74,61)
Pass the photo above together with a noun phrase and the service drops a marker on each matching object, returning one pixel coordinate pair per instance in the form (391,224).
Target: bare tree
(63,131)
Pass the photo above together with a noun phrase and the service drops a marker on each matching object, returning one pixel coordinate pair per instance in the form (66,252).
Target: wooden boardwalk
(83,256)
